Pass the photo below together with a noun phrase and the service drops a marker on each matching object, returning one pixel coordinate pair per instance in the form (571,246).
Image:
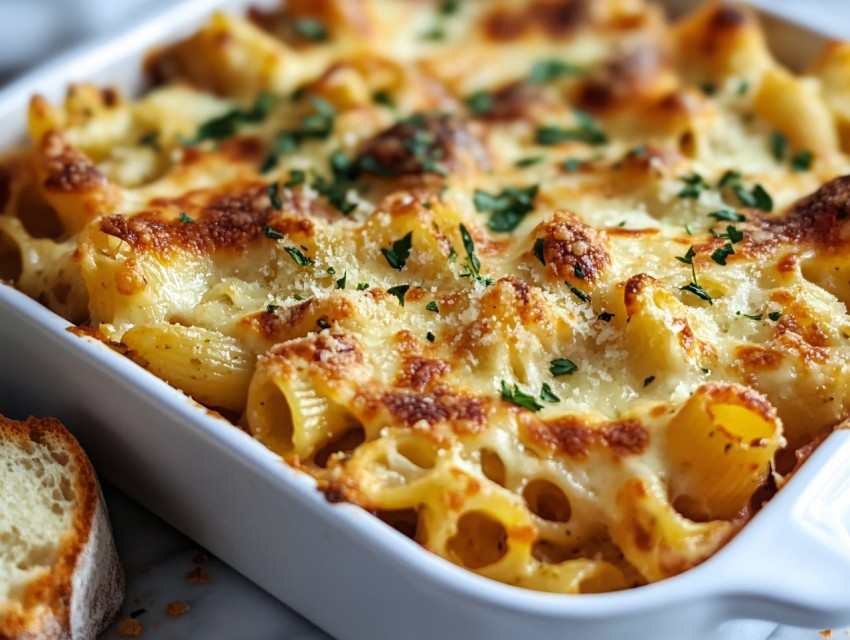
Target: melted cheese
(546,285)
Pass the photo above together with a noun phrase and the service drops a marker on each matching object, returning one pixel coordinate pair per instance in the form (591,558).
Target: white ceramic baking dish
(336,564)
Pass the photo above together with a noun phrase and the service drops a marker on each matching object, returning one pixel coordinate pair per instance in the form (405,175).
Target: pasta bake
(555,287)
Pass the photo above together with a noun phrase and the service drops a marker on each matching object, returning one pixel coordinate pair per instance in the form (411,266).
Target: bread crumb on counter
(177,608)
(129,628)
(199,576)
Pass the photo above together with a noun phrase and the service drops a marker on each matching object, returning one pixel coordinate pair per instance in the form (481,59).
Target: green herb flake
(508,208)
(383,98)
(449,7)
(694,286)
(296,177)
(562,367)
(514,395)
(544,71)
(774,315)
(648,381)
(311,29)
(547,395)
(694,186)
(571,164)
(728,215)
(271,308)
(720,254)
(323,324)
(274,196)
(362,286)
(272,233)
(587,130)
(430,337)
(433,34)
(802,160)
(150,139)
(689,229)
(538,250)
(579,272)
(578,293)
(397,256)
(300,259)
(226,125)
(432,306)
(480,103)
(340,284)
(523,163)
(473,267)
(399,291)
(184,218)
(751,316)
(605,316)
(778,146)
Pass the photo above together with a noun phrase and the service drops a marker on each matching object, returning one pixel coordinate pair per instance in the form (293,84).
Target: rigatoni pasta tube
(207,365)
(721,444)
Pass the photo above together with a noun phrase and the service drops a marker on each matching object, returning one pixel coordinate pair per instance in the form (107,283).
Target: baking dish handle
(799,573)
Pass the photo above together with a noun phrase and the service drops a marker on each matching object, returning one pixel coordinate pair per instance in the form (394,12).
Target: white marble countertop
(156,557)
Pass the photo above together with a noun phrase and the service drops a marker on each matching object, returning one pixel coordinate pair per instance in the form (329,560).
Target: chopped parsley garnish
(227,124)
(689,229)
(538,250)
(430,337)
(150,139)
(473,267)
(449,7)
(323,324)
(434,33)
(399,291)
(802,160)
(774,315)
(743,87)
(693,286)
(586,130)
(271,308)
(296,177)
(507,208)
(758,198)
(720,254)
(362,286)
(384,99)
(648,381)
(480,103)
(272,233)
(708,88)
(571,164)
(340,284)
(424,147)
(728,215)
(732,234)
(778,146)
(752,316)
(184,218)
(728,178)
(397,256)
(605,316)
(544,71)
(432,306)
(514,395)
(562,367)
(311,29)
(578,293)
(547,395)
(336,192)
(274,197)
(300,259)
(578,271)
(269,163)
(522,163)
(297,296)
(694,186)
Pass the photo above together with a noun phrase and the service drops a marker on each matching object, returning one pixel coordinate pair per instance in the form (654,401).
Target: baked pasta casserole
(555,287)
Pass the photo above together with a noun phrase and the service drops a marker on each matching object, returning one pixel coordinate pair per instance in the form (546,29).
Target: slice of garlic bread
(60,575)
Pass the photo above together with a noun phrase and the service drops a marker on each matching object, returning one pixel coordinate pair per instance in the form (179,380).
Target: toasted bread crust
(50,608)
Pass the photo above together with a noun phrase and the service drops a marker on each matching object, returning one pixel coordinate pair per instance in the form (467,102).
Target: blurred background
(32,31)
